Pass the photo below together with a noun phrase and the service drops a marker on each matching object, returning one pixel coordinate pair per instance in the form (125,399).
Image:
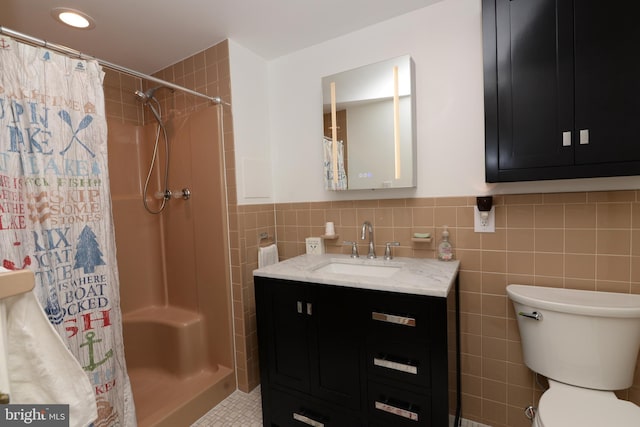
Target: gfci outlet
(484,222)
(315,245)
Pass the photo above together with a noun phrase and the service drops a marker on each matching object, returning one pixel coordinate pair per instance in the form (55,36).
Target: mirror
(369,127)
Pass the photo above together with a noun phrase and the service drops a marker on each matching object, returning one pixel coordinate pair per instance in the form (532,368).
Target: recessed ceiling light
(73,18)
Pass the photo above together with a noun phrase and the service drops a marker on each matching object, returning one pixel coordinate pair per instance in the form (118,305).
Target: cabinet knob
(584,136)
(300,308)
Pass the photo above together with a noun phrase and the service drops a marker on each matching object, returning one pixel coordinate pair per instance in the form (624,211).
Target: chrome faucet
(372,249)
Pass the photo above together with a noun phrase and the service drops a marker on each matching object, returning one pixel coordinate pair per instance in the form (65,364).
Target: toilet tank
(583,338)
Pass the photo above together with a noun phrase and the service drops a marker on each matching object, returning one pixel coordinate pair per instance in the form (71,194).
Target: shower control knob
(186,193)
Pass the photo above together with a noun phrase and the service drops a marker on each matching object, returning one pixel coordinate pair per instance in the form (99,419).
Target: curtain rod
(77,54)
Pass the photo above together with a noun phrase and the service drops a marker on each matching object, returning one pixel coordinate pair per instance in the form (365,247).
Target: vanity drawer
(289,410)
(394,314)
(391,406)
(400,360)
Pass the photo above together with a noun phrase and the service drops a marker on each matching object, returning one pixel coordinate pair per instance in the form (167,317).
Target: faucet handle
(387,249)
(354,248)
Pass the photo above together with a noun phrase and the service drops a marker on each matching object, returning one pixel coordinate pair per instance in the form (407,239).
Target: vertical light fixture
(396,122)
(334,134)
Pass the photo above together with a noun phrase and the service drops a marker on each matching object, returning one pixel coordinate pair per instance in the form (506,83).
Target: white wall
(445,42)
(250,101)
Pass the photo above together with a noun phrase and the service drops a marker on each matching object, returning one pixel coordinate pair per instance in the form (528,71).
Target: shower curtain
(55,209)
(340,182)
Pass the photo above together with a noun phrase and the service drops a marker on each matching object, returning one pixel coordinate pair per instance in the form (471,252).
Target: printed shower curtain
(340,182)
(55,209)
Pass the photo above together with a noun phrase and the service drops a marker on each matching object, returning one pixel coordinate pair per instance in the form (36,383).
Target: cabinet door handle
(566,139)
(392,318)
(309,309)
(306,420)
(299,306)
(584,136)
(404,413)
(396,366)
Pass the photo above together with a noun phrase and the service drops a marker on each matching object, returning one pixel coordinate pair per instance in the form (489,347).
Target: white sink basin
(370,268)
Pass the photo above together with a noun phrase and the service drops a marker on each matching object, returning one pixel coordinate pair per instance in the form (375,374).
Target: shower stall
(173,263)
(173,253)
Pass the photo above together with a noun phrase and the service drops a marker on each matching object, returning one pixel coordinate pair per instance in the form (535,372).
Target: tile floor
(240,409)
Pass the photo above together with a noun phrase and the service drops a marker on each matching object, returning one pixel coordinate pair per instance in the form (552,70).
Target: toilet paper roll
(329,229)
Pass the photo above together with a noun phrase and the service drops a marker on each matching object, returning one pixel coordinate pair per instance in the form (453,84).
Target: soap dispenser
(445,250)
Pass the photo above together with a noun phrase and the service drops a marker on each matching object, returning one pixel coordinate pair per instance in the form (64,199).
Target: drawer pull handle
(397,366)
(392,318)
(306,420)
(404,413)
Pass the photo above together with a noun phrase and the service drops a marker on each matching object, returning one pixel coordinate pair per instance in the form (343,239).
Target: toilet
(586,343)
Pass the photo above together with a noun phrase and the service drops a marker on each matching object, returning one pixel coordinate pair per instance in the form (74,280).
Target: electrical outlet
(484,222)
(315,245)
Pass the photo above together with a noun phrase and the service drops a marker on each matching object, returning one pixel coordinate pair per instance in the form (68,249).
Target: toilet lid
(563,406)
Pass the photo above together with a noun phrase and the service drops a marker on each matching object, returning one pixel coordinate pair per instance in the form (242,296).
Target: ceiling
(148,35)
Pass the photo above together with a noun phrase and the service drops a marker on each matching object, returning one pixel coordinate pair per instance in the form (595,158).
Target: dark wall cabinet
(336,356)
(562,93)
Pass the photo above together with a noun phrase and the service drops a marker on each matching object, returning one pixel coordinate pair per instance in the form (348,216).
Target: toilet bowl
(563,405)
(586,343)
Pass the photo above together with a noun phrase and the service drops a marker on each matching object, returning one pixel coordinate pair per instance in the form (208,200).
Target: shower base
(172,380)
(163,400)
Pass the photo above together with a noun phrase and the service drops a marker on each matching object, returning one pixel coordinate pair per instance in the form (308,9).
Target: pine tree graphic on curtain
(88,253)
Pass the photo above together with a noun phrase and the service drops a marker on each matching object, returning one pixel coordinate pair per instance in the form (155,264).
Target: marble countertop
(415,276)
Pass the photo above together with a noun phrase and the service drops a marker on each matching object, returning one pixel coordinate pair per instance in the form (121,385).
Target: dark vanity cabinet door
(335,346)
(561,89)
(283,312)
(607,70)
(534,84)
(308,338)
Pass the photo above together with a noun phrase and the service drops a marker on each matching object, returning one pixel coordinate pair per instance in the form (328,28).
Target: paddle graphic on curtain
(55,209)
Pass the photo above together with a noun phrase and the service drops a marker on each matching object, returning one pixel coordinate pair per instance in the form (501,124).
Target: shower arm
(77,54)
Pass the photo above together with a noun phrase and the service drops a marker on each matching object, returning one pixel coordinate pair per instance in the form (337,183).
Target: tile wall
(587,240)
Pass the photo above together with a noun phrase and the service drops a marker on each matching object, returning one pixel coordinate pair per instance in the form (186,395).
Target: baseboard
(465,423)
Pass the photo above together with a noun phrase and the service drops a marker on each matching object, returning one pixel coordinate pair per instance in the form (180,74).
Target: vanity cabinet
(562,92)
(341,356)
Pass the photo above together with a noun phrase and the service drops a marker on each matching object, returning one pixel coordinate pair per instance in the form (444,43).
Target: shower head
(147,95)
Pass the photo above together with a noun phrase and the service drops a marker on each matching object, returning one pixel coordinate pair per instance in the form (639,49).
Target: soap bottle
(445,250)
